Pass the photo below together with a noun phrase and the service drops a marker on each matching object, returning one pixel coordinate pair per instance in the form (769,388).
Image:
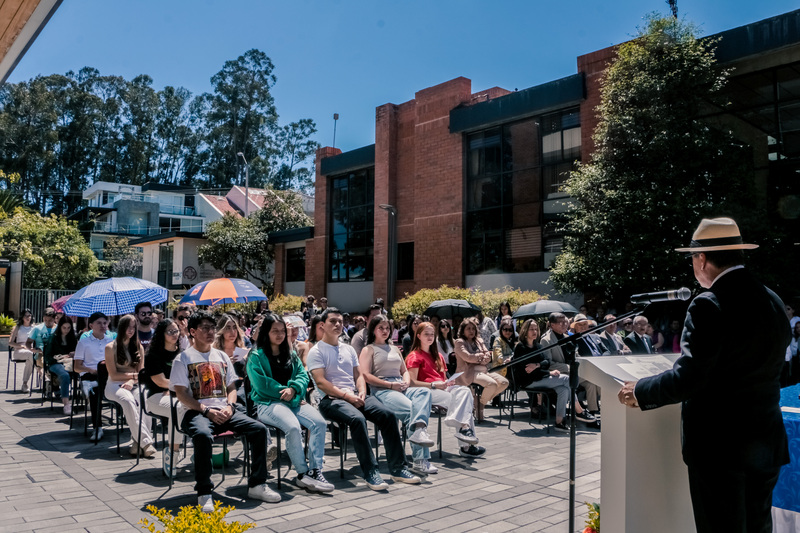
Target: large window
(504,200)
(561,147)
(296,264)
(352,226)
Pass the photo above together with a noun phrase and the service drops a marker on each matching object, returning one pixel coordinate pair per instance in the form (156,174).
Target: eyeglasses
(207,328)
(172,332)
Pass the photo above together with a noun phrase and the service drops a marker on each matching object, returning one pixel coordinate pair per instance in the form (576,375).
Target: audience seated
(164,349)
(18,340)
(91,349)
(504,344)
(473,359)
(58,353)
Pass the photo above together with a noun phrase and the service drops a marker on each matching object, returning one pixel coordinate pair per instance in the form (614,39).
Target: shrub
(6,324)
(192,519)
(285,303)
(489,300)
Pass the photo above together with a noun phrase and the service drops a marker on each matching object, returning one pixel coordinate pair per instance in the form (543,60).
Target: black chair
(116,410)
(8,368)
(547,399)
(79,400)
(339,432)
(163,420)
(224,436)
(252,413)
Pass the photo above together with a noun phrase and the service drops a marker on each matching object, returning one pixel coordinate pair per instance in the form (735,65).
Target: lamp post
(246,184)
(392,252)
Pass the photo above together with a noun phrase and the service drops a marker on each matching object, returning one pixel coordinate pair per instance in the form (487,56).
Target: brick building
(475,177)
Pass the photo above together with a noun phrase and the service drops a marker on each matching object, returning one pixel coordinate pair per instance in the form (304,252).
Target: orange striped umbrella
(223,291)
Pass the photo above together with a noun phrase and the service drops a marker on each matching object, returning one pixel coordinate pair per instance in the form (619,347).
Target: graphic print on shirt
(207,380)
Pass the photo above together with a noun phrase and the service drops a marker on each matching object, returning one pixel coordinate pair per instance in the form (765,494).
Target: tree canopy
(61,133)
(657,168)
(53,250)
(241,247)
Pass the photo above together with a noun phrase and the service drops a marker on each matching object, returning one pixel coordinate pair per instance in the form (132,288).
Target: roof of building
(221,204)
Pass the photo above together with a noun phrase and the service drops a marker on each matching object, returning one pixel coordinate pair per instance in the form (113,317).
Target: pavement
(54,479)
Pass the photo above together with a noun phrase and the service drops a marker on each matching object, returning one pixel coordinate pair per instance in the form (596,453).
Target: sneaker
(585,416)
(134,449)
(467,435)
(420,437)
(375,481)
(272,454)
(405,476)
(264,493)
(25,388)
(206,503)
(149,451)
(97,435)
(471,451)
(561,426)
(323,485)
(67,408)
(424,467)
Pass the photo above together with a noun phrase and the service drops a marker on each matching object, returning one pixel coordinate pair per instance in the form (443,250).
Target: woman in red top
(426,368)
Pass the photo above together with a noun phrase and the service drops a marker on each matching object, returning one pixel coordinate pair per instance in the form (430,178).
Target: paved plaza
(54,479)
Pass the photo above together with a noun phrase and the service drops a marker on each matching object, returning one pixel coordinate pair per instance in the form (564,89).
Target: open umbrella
(223,291)
(448,308)
(58,305)
(543,308)
(114,296)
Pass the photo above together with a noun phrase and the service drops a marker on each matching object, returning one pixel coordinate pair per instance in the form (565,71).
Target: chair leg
(439,438)
(278,460)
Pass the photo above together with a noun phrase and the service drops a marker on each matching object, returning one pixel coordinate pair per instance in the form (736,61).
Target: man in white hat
(733,467)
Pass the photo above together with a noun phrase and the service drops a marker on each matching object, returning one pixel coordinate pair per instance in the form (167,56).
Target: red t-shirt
(427,369)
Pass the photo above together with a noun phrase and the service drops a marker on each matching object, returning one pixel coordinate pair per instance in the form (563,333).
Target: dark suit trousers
(343,412)
(732,501)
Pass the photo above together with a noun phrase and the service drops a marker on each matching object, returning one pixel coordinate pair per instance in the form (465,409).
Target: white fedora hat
(716,234)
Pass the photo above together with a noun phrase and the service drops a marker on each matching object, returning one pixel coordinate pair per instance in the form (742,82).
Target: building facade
(474,180)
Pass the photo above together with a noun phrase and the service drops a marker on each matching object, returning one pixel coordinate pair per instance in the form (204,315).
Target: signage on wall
(176,278)
(189,273)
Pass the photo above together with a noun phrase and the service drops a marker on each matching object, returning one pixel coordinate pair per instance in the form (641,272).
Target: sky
(350,56)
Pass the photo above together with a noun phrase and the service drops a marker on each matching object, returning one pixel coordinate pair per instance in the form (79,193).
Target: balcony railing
(144,231)
(171,209)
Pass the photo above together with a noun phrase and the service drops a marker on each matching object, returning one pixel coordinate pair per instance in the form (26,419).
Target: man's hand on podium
(626,395)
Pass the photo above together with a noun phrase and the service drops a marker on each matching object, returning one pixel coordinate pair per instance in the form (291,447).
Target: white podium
(644,483)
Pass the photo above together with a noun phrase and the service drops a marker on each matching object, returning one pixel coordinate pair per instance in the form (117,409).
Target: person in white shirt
(90,350)
(204,380)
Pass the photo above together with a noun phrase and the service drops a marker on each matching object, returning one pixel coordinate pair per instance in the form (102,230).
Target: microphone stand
(573,386)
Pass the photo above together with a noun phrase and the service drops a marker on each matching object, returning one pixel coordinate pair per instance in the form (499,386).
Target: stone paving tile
(54,479)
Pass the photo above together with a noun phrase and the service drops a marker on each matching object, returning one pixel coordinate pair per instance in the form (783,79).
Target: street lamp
(246,184)
(392,251)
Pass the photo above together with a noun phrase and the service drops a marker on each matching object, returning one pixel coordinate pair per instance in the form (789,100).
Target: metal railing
(133,229)
(38,299)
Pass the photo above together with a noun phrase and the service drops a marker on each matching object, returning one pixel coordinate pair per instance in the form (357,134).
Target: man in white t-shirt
(204,380)
(334,368)
(91,349)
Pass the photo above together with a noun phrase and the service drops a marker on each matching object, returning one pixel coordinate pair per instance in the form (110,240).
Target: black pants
(732,501)
(201,430)
(343,412)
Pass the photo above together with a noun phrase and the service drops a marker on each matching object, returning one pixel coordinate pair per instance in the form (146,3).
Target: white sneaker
(67,408)
(421,438)
(424,467)
(25,388)
(206,503)
(313,481)
(264,493)
(97,435)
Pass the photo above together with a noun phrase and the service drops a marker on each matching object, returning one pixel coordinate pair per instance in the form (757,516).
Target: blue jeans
(61,373)
(289,419)
(411,407)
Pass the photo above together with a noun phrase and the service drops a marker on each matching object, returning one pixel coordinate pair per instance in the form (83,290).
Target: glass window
(296,264)
(351,226)
(405,260)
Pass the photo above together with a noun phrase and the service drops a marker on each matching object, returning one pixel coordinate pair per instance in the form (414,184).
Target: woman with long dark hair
(503,312)
(426,368)
(473,359)
(17,339)
(504,344)
(124,360)
(537,373)
(385,372)
(164,348)
(278,385)
(59,350)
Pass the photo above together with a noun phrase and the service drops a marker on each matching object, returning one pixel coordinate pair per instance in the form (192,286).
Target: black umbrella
(448,308)
(543,308)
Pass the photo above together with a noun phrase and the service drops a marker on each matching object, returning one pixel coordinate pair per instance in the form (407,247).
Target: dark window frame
(351,197)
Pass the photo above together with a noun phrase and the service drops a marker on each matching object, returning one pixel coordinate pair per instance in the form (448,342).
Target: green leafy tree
(120,259)
(241,246)
(55,253)
(657,169)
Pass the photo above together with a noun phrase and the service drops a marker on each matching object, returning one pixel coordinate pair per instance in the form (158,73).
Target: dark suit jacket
(638,346)
(720,362)
(591,346)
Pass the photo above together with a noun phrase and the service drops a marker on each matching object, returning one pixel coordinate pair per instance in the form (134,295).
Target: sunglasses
(443,326)
(506,329)
(172,332)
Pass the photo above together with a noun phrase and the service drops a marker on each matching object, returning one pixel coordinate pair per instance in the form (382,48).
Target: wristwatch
(432,385)
(206,409)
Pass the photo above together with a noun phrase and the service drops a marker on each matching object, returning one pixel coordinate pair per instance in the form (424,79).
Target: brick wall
(280,266)
(593,67)
(316,248)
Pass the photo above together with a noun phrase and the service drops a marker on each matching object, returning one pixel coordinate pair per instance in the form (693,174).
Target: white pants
(129,401)
(459,404)
(21,354)
(159,404)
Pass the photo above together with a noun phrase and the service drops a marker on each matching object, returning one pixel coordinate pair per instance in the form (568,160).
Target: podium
(644,484)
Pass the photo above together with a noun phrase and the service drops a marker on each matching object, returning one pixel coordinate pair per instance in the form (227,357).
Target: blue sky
(348,57)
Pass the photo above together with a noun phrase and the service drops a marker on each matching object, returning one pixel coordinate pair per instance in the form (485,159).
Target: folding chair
(143,393)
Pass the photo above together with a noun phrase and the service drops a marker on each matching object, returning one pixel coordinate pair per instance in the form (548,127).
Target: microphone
(664,296)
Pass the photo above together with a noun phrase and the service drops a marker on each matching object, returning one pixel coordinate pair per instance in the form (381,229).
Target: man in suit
(612,342)
(638,342)
(733,467)
(588,345)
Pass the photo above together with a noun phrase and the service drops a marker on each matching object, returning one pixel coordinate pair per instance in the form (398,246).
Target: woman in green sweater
(278,385)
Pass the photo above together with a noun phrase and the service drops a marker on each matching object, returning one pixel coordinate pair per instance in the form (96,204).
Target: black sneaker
(467,435)
(585,416)
(375,481)
(561,426)
(472,451)
(405,476)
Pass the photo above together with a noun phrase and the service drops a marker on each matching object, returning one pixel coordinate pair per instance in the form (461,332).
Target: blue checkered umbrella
(114,296)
